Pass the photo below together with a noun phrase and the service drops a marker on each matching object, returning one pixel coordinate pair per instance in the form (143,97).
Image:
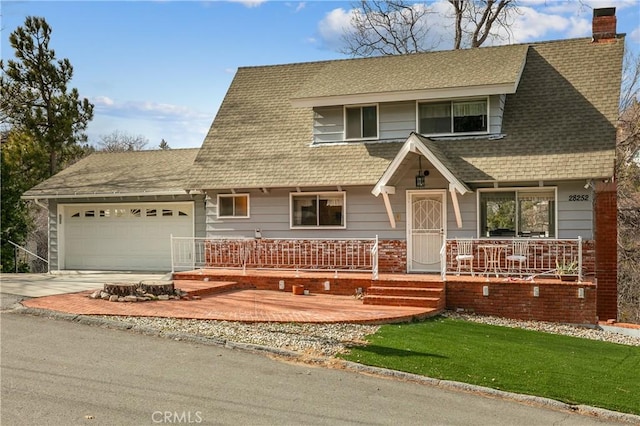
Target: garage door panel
(124,237)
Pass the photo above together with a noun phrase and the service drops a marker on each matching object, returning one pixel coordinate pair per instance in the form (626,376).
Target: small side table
(492,257)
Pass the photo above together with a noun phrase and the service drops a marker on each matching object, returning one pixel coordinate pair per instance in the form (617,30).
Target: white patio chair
(465,255)
(519,255)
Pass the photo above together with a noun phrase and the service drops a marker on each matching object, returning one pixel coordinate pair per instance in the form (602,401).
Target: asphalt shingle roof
(109,173)
(560,124)
(421,71)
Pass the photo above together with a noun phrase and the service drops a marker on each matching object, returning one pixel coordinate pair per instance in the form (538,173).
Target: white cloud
(297,7)
(333,26)
(532,25)
(249,3)
(102,100)
(145,109)
(635,35)
(579,27)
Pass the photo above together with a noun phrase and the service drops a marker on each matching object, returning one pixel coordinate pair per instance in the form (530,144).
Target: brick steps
(207,288)
(419,302)
(423,295)
(409,283)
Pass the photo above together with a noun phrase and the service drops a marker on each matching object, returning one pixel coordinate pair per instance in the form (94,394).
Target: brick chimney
(604,25)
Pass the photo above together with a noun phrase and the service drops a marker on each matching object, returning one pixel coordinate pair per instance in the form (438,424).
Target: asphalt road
(60,372)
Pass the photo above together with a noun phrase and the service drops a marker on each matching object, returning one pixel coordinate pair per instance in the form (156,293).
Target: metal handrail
(309,254)
(543,258)
(19,247)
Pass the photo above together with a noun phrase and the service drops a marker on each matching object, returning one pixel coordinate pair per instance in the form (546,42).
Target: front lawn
(568,369)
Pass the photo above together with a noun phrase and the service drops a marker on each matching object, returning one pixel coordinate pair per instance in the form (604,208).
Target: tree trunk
(121,289)
(157,288)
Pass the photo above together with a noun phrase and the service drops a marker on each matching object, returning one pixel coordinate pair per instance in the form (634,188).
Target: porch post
(456,205)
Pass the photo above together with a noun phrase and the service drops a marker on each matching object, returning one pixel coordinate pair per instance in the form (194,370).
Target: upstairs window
(318,210)
(361,122)
(233,205)
(453,117)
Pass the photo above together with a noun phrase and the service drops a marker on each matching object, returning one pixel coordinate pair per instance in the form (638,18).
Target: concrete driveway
(38,285)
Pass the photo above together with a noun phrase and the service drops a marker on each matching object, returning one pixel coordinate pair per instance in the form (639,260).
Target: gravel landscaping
(551,327)
(331,339)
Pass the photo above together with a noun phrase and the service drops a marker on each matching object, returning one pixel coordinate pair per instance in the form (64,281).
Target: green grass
(568,369)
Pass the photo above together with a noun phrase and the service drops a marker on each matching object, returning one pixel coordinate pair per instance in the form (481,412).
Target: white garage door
(123,236)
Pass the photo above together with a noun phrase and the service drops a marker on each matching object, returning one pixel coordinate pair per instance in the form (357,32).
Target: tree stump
(121,289)
(157,288)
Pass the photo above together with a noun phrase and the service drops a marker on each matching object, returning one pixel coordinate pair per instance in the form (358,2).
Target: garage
(127,236)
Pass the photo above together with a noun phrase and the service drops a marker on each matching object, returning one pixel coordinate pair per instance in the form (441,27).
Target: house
(493,144)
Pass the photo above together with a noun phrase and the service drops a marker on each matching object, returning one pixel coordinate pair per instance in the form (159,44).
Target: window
(361,122)
(522,213)
(453,117)
(315,210)
(233,205)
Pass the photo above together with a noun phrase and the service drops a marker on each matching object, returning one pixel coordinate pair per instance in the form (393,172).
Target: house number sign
(579,197)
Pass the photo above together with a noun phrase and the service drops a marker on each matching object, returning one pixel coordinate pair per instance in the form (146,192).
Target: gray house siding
(367,217)
(496,110)
(575,210)
(396,120)
(53,236)
(328,124)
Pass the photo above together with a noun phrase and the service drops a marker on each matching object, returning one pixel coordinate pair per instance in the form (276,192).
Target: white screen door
(425,231)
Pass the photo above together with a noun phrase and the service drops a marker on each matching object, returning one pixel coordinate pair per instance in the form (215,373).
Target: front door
(425,230)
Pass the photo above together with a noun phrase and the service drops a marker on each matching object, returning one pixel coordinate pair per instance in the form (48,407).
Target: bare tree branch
(479,20)
(399,27)
(119,141)
(628,178)
(387,28)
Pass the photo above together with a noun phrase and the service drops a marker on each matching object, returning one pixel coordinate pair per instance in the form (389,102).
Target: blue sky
(160,69)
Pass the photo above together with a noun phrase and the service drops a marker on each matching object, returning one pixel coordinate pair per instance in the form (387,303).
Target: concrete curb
(347,365)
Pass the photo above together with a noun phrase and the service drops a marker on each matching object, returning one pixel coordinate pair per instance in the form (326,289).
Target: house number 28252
(579,197)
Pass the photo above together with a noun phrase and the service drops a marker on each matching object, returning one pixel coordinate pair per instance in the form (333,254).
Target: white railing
(299,254)
(544,257)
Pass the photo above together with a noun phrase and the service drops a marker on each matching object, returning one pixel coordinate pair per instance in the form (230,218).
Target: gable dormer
(450,93)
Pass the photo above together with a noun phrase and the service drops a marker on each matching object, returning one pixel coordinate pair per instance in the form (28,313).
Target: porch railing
(275,253)
(543,257)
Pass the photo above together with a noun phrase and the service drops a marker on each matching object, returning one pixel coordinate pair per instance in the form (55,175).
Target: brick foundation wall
(344,285)
(557,302)
(392,256)
(606,246)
